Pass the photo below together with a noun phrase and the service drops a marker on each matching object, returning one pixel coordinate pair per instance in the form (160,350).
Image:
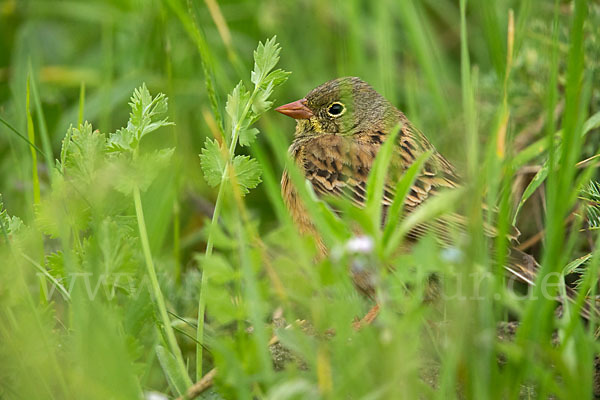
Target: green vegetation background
(83,60)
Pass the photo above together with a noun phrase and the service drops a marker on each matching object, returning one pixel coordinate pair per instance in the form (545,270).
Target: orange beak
(296,110)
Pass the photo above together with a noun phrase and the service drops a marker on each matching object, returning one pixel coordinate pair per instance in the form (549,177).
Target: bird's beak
(296,110)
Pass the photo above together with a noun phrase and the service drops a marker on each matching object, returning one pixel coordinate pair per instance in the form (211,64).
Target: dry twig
(197,388)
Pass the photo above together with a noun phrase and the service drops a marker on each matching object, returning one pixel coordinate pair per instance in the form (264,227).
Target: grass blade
(31,137)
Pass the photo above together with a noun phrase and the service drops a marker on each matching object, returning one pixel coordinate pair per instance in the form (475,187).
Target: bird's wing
(440,174)
(339,166)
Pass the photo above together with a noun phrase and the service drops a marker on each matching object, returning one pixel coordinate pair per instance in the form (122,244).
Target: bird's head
(343,106)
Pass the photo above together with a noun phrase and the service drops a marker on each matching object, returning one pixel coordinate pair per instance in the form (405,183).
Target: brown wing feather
(339,166)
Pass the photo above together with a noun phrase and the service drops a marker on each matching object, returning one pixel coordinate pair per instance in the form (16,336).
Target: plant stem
(156,292)
(176,240)
(203,286)
(235,133)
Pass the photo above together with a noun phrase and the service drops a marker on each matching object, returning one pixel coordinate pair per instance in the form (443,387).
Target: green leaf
(212,162)
(296,388)
(145,117)
(537,180)
(217,268)
(139,101)
(276,77)
(247,172)
(151,164)
(220,236)
(83,151)
(261,101)
(8,225)
(248,136)
(592,122)
(236,102)
(15,224)
(116,243)
(266,56)
(55,264)
(224,306)
(178,383)
(122,140)
(433,208)
(143,170)
(143,110)
(574,266)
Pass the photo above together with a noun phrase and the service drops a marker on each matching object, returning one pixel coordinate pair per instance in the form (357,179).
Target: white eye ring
(340,112)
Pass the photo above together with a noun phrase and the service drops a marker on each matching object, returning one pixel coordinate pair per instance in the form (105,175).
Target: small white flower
(360,244)
(155,396)
(452,254)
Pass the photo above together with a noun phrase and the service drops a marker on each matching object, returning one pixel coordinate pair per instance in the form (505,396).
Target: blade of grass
(48,276)
(81,103)
(402,189)
(41,121)
(526,330)
(467,97)
(31,137)
(20,135)
(377,179)
(499,163)
(182,375)
(108,53)
(461,353)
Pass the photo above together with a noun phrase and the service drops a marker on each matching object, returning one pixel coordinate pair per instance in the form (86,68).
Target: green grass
(130,265)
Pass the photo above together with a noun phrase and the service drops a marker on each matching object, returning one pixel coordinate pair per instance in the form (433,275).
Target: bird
(340,127)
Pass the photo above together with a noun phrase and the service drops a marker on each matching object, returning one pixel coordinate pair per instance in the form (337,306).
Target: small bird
(340,127)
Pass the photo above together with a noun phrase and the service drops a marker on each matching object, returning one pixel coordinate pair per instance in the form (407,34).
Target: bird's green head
(343,106)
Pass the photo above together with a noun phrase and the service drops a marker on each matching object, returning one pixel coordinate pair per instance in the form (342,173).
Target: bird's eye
(336,109)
